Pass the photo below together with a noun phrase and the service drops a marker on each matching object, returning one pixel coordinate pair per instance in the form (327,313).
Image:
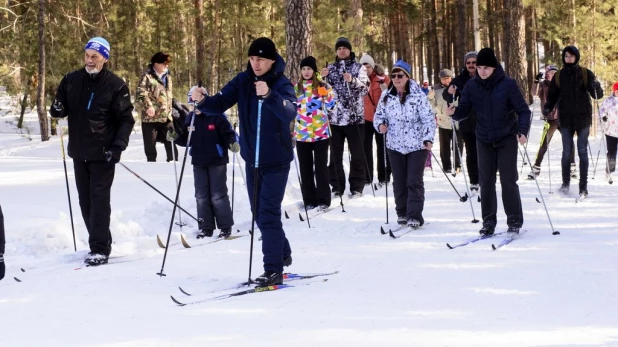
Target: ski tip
(382,231)
(16,279)
(184,242)
(159,242)
(176,301)
(286,215)
(183,291)
(22,270)
(537,200)
(493,247)
(449,246)
(390,233)
(300,216)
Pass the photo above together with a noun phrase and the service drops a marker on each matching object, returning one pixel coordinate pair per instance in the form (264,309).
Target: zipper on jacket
(90,101)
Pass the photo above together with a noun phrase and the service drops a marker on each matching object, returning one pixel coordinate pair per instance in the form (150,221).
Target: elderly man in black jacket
(571,88)
(99,108)
(503,118)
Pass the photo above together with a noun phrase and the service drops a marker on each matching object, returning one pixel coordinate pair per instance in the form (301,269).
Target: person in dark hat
(445,127)
(99,110)
(154,100)
(571,89)
(263,94)
(503,119)
(467,128)
(349,79)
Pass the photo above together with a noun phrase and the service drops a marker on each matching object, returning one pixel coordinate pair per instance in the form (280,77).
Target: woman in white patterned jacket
(405,115)
(609,116)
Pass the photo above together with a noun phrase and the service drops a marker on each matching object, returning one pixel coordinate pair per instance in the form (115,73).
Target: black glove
(2,267)
(546,112)
(594,85)
(113,156)
(604,118)
(538,77)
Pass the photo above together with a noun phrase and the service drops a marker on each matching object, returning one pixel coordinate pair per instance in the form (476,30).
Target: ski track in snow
(540,290)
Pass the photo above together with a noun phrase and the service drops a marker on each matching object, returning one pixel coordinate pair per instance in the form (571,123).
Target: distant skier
(609,116)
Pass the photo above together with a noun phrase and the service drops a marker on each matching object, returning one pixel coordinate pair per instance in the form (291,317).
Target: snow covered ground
(540,290)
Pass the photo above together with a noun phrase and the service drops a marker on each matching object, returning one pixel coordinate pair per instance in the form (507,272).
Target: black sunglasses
(397,75)
(471,62)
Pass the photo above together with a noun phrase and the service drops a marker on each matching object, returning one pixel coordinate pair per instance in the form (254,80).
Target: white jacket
(609,108)
(409,124)
(439,106)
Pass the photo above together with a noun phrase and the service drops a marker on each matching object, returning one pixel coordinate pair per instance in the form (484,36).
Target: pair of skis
(185,244)
(286,277)
(510,237)
(393,233)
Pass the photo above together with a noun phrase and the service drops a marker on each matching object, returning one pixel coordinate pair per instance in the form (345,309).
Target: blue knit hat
(100,45)
(403,66)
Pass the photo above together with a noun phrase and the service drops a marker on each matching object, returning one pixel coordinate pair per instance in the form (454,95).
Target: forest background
(42,40)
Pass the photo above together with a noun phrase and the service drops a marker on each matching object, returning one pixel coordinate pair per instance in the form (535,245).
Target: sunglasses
(397,75)
(471,62)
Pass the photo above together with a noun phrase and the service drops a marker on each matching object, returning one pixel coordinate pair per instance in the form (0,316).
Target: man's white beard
(92,71)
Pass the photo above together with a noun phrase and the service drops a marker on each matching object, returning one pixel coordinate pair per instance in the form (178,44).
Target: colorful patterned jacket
(311,123)
(152,92)
(609,108)
(350,104)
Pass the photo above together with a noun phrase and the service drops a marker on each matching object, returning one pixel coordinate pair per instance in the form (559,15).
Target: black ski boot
(512,230)
(225,233)
(204,233)
(487,230)
(287,261)
(402,220)
(564,189)
(94,259)
(269,278)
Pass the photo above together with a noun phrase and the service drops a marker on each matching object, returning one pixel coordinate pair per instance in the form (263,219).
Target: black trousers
(500,155)
(471,156)
(612,146)
(94,184)
(156,132)
(446,148)
(408,185)
(383,176)
(313,167)
(354,135)
(2,239)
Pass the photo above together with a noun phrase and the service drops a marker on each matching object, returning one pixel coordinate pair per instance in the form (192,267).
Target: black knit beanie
(309,61)
(263,47)
(487,57)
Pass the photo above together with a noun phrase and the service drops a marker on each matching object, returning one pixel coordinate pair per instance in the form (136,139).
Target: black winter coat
(99,110)
(210,140)
(574,105)
(500,107)
(468,125)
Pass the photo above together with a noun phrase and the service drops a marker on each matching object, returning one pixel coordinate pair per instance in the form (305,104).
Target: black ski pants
(408,185)
(94,183)
(2,239)
(446,148)
(313,167)
(354,135)
(156,132)
(502,156)
(471,156)
(383,176)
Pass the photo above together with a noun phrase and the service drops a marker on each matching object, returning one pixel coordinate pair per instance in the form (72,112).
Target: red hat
(615,87)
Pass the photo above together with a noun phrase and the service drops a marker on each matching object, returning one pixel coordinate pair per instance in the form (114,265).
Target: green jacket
(152,92)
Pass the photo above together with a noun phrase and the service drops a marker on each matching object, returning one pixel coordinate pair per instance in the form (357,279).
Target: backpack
(584,77)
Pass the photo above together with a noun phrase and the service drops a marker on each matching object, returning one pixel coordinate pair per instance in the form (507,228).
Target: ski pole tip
(161,274)
(556,233)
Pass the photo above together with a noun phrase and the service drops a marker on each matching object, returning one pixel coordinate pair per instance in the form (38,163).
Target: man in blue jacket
(503,117)
(263,80)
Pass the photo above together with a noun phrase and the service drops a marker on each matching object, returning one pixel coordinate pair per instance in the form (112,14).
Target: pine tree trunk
(436,43)
(214,40)
(515,39)
(460,42)
(530,53)
(298,35)
(200,51)
(40,100)
(356,15)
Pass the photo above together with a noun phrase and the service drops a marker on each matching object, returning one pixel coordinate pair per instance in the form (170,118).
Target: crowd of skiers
(481,109)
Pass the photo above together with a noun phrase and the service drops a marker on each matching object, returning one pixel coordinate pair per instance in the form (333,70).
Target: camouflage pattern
(151,92)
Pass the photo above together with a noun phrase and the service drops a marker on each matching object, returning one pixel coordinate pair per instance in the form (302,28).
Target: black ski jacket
(99,110)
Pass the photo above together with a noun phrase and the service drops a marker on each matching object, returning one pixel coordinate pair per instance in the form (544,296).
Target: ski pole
(182,170)
(66,178)
(301,190)
(461,198)
(554,232)
(233,173)
(179,223)
(255,183)
(158,191)
(463,169)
